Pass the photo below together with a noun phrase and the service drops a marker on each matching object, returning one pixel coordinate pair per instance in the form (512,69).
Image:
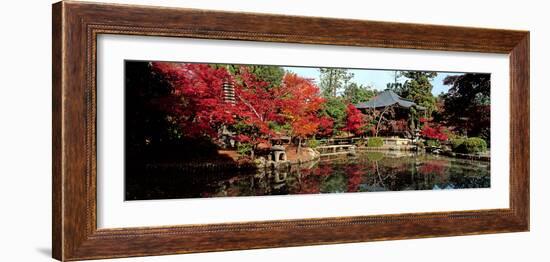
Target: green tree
(418,87)
(334,80)
(396,85)
(355,94)
(335,108)
(270,74)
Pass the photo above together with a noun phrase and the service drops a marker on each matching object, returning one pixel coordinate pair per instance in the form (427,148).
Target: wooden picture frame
(76,26)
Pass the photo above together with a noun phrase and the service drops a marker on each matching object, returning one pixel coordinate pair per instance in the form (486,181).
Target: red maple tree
(255,108)
(326,126)
(197,103)
(355,122)
(197,97)
(437,132)
(354,173)
(300,102)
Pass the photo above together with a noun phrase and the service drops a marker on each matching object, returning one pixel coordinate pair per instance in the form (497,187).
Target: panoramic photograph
(204,130)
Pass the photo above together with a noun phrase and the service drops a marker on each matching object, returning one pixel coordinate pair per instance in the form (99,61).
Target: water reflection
(368,172)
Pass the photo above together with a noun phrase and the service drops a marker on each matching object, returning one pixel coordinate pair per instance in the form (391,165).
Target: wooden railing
(336,150)
(339,141)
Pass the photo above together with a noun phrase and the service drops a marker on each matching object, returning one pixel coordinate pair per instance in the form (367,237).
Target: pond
(365,172)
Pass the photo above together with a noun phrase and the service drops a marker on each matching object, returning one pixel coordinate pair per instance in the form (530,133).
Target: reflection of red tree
(311,179)
(355,176)
(310,185)
(437,167)
(234,191)
(323,170)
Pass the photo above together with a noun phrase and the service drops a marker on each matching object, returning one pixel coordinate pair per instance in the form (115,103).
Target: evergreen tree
(335,108)
(334,80)
(396,85)
(270,74)
(355,93)
(467,105)
(273,75)
(418,88)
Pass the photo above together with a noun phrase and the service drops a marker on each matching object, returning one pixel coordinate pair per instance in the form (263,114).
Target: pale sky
(377,79)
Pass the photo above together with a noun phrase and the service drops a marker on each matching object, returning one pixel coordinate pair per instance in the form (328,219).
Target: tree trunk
(331,83)
(252,153)
(299,149)
(380,120)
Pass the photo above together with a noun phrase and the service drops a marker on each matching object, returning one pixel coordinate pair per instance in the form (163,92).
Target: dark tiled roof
(387,98)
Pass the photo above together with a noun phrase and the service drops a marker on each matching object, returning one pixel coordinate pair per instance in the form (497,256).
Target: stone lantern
(278,153)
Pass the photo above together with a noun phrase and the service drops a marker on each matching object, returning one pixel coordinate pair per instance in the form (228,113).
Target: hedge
(432,143)
(375,142)
(313,143)
(469,145)
(456,143)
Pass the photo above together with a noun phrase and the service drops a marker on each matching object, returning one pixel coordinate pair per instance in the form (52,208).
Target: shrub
(375,142)
(474,145)
(244,149)
(313,143)
(432,143)
(469,145)
(438,132)
(456,143)
(360,142)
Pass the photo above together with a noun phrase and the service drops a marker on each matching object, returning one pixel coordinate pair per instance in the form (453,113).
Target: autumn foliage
(197,97)
(326,126)
(354,121)
(197,103)
(255,108)
(436,132)
(300,102)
